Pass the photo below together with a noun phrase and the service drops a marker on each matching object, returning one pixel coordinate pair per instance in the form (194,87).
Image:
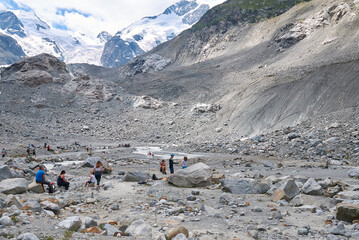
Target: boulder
(173,232)
(13,186)
(91,162)
(245,186)
(47,205)
(27,236)
(347,212)
(32,205)
(92,230)
(89,222)
(311,187)
(286,191)
(297,201)
(5,172)
(197,175)
(136,177)
(354,173)
(36,187)
(139,228)
(111,230)
(6,221)
(71,223)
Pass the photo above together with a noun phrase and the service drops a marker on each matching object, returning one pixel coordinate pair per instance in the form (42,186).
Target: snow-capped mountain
(152,31)
(35,36)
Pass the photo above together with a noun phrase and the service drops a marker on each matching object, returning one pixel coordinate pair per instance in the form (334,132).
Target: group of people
(95,176)
(184,164)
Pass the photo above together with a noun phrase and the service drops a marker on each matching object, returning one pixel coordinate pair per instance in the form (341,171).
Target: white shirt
(93,179)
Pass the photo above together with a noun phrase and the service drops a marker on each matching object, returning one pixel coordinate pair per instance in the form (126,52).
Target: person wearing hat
(171,164)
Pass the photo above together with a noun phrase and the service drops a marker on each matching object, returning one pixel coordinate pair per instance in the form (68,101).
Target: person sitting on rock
(61,181)
(97,171)
(184,163)
(40,178)
(163,167)
(91,181)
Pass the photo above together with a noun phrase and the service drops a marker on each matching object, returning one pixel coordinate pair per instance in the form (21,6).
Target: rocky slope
(247,81)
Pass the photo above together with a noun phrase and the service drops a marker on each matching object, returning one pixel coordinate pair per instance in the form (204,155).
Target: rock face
(36,188)
(13,186)
(118,52)
(347,212)
(37,70)
(140,228)
(150,63)
(311,187)
(5,172)
(135,177)
(197,175)
(244,186)
(71,223)
(286,191)
(10,50)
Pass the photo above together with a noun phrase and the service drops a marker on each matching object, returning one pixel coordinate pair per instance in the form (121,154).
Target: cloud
(91,16)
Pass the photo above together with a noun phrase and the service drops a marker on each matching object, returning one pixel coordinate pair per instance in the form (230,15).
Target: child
(184,163)
(92,180)
(163,167)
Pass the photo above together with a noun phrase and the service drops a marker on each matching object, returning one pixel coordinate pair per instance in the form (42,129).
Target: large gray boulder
(5,172)
(140,229)
(13,186)
(287,191)
(245,186)
(71,223)
(354,173)
(197,175)
(312,187)
(111,230)
(136,177)
(27,236)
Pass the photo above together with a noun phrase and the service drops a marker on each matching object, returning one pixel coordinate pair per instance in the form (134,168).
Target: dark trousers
(172,170)
(47,183)
(64,184)
(98,177)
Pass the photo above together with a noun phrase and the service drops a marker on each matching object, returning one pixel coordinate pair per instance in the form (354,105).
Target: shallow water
(158,153)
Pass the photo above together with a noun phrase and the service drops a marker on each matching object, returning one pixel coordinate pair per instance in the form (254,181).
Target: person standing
(28,152)
(184,163)
(172,170)
(34,152)
(40,178)
(4,152)
(97,171)
(61,181)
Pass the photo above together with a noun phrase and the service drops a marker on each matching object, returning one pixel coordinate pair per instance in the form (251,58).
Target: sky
(90,17)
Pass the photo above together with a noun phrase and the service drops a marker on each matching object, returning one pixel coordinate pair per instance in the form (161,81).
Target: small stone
(195,192)
(191,198)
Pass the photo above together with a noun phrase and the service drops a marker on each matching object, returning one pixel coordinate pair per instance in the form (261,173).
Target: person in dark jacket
(172,170)
(61,181)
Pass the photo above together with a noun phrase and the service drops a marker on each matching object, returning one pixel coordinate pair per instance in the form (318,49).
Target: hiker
(40,178)
(184,163)
(45,145)
(28,152)
(48,147)
(91,181)
(4,152)
(171,164)
(97,171)
(61,181)
(33,152)
(163,167)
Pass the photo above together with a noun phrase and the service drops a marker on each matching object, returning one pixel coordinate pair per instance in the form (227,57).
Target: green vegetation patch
(239,11)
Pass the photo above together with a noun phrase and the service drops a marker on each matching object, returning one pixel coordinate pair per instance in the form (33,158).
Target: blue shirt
(39,175)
